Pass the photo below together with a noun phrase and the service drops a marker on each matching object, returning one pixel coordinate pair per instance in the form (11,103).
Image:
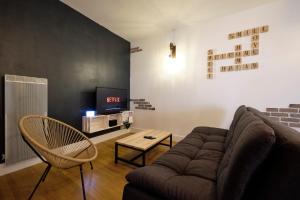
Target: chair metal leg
(82,183)
(91,165)
(45,174)
(42,178)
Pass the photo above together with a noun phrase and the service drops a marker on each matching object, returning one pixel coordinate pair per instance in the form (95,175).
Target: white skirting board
(18,166)
(177,138)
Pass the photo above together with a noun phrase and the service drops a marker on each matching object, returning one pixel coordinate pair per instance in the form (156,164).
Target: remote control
(149,137)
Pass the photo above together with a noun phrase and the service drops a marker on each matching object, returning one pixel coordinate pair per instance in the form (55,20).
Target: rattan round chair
(57,144)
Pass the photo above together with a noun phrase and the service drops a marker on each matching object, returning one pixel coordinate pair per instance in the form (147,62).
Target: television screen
(111,100)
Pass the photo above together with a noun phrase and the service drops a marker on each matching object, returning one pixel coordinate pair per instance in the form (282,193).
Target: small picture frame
(255,45)
(254,52)
(209,76)
(264,29)
(238,47)
(254,38)
(238,54)
(223,69)
(238,60)
(246,53)
(210,52)
(216,57)
(254,65)
(238,67)
(255,30)
(209,70)
(230,55)
(231,36)
(239,34)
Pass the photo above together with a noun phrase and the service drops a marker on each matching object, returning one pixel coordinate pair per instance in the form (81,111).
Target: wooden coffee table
(139,143)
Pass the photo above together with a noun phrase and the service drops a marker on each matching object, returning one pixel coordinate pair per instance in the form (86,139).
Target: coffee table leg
(116,153)
(144,158)
(170,141)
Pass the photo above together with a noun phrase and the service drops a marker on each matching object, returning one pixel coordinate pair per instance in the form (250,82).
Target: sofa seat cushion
(166,183)
(151,178)
(202,168)
(190,187)
(216,146)
(188,170)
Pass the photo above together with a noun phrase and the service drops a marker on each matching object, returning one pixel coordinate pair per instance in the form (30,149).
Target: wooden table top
(138,141)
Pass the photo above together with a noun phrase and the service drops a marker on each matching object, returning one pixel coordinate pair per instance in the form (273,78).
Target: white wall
(182,95)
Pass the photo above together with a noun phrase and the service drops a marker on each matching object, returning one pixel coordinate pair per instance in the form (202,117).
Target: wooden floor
(106,181)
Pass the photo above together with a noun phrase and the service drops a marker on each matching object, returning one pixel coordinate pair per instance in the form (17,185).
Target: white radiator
(23,96)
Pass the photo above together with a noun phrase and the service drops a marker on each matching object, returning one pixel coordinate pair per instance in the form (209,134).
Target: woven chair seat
(58,143)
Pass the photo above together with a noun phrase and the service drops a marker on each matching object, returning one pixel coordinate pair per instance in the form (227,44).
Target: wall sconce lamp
(172,50)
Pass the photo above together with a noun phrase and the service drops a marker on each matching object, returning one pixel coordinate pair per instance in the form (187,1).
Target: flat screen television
(111,100)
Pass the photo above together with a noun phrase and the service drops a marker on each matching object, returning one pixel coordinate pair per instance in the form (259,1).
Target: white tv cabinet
(101,122)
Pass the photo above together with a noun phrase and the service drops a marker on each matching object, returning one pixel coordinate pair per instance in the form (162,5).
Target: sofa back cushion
(250,144)
(237,115)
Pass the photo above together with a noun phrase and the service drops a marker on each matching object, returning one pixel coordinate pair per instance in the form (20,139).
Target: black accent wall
(48,39)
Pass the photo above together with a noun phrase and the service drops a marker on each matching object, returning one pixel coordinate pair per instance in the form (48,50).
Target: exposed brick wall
(135,50)
(288,116)
(142,104)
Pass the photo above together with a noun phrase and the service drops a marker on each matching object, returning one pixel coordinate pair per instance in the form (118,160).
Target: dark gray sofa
(256,159)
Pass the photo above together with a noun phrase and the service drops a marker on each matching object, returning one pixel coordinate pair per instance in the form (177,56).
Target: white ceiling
(136,19)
